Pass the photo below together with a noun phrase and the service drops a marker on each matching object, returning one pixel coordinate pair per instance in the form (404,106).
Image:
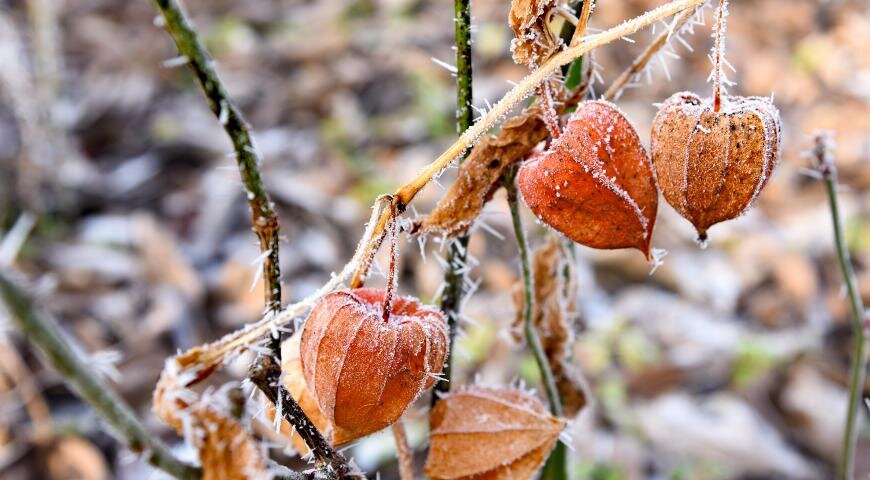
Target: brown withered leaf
(364,369)
(595,183)
(534,41)
(712,165)
(227,450)
(480,174)
(552,316)
(493,433)
(294,382)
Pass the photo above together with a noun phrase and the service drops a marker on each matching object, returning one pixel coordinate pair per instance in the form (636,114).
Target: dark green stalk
(825,165)
(43,331)
(264,219)
(454,276)
(556,466)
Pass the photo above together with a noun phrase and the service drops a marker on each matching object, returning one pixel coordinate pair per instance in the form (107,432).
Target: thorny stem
(265,221)
(649,52)
(455,274)
(825,165)
(265,374)
(556,465)
(718,51)
(43,331)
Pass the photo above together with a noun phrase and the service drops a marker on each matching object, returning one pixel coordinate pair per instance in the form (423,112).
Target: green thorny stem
(825,166)
(556,466)
(43,331)
(265,221)
(455,274)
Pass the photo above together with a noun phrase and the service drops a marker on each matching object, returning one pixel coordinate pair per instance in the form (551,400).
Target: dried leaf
(490,433)
(226,450)
(534,42)
(480,174)
(712,165)
(595,183)
(554,303)
(365,370)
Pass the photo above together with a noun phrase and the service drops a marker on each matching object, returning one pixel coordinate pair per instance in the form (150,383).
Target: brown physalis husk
(493,433)
(595,183)
(534,42)
(227,451)
(712,165)
(365,370)
(294,382)
(552,316)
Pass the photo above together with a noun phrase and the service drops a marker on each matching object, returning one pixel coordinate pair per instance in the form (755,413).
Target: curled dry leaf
(294,382)
(489,433)
(712,165)
(365,369)
(595,183)
(226,450)
(480,174)
(554,304)
(534,41)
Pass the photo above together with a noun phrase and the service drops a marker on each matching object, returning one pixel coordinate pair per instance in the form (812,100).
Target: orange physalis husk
(366,370)
(595,183)
(712,165)
(490,433)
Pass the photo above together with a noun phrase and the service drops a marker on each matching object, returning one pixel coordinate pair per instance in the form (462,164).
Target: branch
(266,374)
(263,217)
(824,164)
(454,276)
(43,331)
(403,451)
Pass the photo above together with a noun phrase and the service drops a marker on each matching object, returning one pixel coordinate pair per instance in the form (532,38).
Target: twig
(263,217)
(43,331)
(556,465)
(403,451)
(824,164)
(582,23)
(406,193)
(649,52)
(719,53)
(247,156)
(454,275)
(266,374)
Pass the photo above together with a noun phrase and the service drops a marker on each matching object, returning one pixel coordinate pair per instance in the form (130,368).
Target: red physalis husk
(491,433)
(365,370)
(595,183)
(712,165)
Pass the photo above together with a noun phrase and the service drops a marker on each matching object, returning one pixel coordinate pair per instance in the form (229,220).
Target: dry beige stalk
(490,433)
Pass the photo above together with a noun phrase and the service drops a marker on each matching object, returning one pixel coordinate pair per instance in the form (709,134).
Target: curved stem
(43,331)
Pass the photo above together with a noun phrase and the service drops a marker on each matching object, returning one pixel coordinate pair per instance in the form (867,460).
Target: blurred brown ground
(728,362)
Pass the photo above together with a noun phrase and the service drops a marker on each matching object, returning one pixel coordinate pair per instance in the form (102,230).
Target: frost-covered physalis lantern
(595,183)
(712,165)
(490,433)
(713,156)
(365,365)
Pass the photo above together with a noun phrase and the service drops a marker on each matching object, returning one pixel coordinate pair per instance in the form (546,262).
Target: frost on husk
(712,165)
(534,42)
(364,370)
(483,432)
(595,183)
